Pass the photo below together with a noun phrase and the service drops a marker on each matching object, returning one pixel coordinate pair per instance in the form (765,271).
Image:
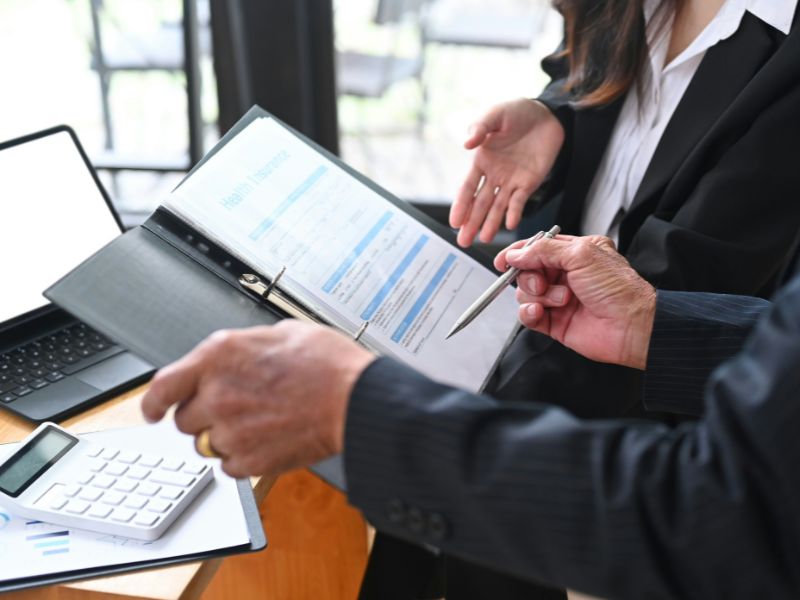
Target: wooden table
(182,582)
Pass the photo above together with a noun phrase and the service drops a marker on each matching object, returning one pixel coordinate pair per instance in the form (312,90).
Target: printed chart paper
(351,255)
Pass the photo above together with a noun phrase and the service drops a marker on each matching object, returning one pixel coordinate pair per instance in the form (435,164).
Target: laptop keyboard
(37,364)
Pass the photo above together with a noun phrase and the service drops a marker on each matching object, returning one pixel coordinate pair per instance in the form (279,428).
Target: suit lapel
(722,75)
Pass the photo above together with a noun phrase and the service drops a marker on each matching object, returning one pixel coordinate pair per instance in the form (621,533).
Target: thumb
(490,123)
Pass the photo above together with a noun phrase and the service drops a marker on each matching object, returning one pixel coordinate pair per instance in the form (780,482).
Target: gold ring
(202,443)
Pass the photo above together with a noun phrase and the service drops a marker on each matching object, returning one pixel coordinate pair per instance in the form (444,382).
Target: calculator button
(172,464)
(84,479)
(77,507)
(138,473)
(194,468)
(91,495)
(123,515)
(148,460)
(147,520)
(178,479)
(103,481)
(58,504)
(72,490)
(116,469)
(113,498)
(94,451)
(158,506)
(110,454)
(148,489)
(128,457)
(100,511)
(171,493)
(97,465)
(126,486)
(136,502)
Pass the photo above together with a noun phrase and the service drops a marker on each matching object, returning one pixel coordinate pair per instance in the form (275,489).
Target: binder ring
(274,282)
(361,331)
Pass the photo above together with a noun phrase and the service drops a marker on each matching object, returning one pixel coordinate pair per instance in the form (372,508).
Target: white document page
(213,520)
(273,201)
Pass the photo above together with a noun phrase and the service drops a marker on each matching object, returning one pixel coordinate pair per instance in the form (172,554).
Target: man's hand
(273,398)
(582,293)
(517,144)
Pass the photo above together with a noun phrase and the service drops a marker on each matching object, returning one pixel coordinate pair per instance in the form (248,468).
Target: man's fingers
(556,296)
(558,253)
(175,383)
(534,283)
(533,316)
(192,416)
(500,262)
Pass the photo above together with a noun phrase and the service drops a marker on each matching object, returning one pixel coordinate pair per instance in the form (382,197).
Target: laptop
(54,213)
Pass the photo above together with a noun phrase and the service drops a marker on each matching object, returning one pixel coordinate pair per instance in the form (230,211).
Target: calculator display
(38,455)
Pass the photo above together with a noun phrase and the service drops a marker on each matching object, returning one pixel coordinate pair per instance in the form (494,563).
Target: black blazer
(719,206)
(612,508)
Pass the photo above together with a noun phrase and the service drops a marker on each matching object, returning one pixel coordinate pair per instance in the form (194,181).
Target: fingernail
(529,285)
(530,311)
(556,294)
(513,254)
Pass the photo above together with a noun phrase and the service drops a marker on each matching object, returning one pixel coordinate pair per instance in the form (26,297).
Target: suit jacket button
(415,521)
(395,511)
(438,527)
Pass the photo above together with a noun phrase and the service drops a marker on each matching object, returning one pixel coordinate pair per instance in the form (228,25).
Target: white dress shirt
(649,106)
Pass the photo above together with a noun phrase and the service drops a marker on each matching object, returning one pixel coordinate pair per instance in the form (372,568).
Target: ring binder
(147,269)
(272,294)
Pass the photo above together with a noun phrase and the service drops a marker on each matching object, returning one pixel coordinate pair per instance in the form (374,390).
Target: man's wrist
(641,330)
(351,372)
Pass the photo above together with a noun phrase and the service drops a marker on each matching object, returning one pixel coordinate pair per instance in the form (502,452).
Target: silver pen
(486,298)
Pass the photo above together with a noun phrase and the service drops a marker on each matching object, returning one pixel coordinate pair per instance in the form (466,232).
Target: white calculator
(61,479)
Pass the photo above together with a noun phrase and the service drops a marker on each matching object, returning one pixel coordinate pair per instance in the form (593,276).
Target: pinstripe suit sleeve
(616,509)
(692,335)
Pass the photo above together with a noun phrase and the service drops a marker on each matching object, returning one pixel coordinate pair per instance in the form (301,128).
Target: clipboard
(184,286)
(258,541)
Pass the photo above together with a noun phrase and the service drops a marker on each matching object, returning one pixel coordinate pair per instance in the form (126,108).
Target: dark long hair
(606,44)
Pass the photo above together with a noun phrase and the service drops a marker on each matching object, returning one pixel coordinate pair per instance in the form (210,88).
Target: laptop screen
(52,217)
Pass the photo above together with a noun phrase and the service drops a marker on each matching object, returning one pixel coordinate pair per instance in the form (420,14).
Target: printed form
(350,255)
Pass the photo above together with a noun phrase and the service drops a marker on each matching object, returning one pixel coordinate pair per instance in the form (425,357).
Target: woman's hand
(517,144)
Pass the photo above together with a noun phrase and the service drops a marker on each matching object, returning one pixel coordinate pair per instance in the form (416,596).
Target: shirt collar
(776,13)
